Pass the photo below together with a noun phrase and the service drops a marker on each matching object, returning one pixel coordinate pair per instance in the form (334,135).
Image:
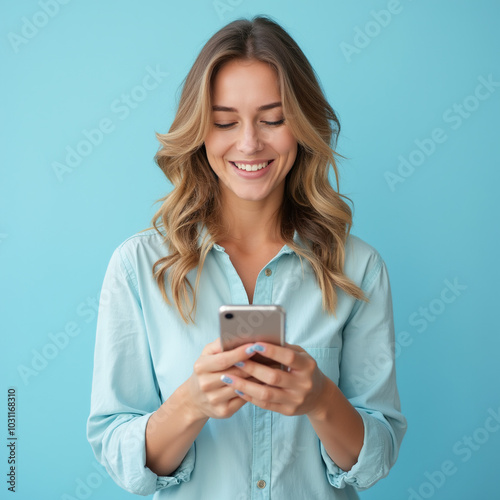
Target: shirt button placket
(262,422)
(261,466)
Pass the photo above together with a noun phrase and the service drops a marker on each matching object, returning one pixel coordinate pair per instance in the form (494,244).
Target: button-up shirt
(144,351)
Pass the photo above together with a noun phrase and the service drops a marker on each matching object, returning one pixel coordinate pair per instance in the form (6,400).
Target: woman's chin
(249,195)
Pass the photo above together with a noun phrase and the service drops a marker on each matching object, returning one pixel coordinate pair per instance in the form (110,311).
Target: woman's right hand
(209,396)
(172,428)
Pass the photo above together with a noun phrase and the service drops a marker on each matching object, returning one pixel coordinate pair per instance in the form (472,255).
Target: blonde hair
(311,207)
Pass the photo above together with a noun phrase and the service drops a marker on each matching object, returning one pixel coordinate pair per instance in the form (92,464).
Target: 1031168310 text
(11,439)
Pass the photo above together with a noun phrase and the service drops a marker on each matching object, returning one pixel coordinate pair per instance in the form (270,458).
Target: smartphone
(252,323)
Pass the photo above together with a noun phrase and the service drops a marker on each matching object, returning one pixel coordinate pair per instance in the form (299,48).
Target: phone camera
(229,316)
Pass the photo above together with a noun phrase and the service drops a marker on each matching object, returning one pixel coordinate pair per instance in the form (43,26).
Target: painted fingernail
(239,364)
(250,350)
(226,379)
(259,348)
(239,392)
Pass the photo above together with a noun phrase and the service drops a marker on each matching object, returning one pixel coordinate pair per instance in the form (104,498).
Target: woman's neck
(251,224)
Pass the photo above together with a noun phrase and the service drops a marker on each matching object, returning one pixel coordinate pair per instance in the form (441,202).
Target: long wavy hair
(189,218)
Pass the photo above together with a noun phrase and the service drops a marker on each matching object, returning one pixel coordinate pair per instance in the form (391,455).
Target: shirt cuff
(370,466)
(181,475)
(138,478)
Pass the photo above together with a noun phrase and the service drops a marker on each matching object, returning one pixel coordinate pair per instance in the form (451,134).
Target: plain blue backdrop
(416,85)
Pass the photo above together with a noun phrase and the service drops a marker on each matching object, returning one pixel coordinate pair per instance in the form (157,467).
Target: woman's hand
(209,397)
(297,391)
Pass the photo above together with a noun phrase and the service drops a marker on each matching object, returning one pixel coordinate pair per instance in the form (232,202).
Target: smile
(251,168)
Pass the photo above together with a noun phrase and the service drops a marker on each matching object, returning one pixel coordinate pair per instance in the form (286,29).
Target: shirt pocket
(327,359)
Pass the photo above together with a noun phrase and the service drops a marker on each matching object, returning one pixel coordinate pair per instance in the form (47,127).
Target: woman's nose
(249,140)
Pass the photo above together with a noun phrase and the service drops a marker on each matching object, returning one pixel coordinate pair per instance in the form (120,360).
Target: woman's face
(250,146)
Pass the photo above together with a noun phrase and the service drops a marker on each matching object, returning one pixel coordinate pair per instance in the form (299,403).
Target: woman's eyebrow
(260,108)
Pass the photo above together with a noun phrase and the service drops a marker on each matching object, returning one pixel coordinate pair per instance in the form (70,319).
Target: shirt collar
(284,250)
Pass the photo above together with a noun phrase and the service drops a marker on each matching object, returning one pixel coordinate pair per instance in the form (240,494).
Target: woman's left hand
(297,391)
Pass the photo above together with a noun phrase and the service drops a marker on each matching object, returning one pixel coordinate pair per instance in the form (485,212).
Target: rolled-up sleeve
(124,388)
(368,380)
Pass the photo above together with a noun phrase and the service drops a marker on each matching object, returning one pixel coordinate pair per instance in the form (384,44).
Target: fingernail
(259,348)
(239,392)
(250,350)
(226,379)
(239,364)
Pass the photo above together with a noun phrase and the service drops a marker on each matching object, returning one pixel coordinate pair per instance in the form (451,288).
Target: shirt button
(261,484)
(268,272)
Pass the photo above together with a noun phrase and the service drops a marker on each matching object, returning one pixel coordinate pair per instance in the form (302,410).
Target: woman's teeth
(252,168)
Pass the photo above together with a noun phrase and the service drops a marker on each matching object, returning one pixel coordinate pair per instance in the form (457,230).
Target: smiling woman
(251,149)
(251,219)
(309,207)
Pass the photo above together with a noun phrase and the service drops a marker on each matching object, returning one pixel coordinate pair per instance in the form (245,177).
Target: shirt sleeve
(125,391)
(368,380)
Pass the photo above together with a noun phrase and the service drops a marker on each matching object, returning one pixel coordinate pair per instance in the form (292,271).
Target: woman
(251,218)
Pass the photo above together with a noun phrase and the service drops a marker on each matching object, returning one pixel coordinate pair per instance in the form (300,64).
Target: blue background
(438,222)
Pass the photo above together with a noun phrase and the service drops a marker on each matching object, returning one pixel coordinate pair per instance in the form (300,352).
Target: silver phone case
(251,323)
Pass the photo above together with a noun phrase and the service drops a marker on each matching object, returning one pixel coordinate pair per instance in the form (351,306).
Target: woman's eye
(223,125)
(272,124)
(279,122)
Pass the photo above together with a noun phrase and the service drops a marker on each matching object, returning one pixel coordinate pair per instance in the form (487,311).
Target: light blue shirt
(144,352)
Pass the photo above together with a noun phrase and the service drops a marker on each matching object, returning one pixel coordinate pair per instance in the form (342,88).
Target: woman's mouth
(251,168)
